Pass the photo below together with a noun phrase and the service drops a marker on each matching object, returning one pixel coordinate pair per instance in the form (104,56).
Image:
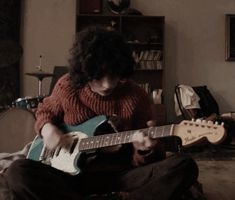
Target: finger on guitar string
(142,141)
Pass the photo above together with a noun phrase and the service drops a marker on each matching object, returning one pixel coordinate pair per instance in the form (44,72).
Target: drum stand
(29,102)
(40,75)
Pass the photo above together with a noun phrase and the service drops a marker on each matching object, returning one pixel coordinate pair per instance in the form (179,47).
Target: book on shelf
(146,87)
(148,59)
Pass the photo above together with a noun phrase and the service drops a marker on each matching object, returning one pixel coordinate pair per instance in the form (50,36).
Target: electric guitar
(65,159)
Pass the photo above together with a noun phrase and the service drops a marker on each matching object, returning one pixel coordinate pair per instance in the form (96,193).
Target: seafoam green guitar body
(88,128)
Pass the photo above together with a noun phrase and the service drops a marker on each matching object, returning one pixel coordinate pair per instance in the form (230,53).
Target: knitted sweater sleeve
(51,110)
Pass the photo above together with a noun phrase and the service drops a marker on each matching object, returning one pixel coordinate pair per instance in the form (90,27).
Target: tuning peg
(210,122)
(204,121)
(198,120)
(216,123)
(222,124)
(193,120)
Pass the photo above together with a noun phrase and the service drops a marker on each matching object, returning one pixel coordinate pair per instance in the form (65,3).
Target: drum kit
(32,102)
(20,114)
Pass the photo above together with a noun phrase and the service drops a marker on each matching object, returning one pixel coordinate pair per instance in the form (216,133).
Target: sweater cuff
(39,124)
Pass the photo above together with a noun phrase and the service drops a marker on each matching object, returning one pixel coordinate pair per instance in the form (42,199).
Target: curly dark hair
(97,52)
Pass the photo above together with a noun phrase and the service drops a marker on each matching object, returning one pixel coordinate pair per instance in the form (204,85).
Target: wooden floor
(218,179)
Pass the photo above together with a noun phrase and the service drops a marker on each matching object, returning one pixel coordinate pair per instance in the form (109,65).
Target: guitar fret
(94,141)
(103,140)
(99,139)
(106,139)
(157,131)
(163,128)
(151,131)
(115,139)
(91,142)
(97,142)
(82,144)
(160,131)
(128,136)
(122,138)
(168,130)
(125,137)
(112,139)
(119,139)
(87,143)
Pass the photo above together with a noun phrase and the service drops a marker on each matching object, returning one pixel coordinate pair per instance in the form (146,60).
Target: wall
(48,29)
(195,46)
(194,38)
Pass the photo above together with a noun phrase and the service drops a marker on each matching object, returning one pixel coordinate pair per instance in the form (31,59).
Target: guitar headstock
(192,132)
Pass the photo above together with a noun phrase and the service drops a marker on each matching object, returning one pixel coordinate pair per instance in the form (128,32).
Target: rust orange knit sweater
(74,106)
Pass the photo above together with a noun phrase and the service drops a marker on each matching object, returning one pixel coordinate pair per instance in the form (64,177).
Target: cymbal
(39,74)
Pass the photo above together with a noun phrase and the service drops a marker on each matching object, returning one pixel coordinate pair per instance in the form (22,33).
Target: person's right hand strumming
(54,137)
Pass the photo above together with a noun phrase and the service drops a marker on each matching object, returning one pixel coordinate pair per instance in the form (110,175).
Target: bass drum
(28,102)
(16,129)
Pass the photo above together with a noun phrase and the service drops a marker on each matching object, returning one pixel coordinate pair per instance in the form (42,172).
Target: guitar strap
(115,122)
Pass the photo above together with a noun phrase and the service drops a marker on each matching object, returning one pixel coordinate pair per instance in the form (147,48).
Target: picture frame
(230,37)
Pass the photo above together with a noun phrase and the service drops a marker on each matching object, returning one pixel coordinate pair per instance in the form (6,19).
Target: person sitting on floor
(99,83)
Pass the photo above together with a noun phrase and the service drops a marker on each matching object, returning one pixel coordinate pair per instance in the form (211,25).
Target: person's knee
(189,167)
(182,164)
(17,171)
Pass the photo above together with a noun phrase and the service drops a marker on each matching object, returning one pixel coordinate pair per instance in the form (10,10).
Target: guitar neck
(123,137)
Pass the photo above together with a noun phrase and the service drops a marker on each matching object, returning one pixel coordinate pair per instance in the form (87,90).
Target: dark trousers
(163,180)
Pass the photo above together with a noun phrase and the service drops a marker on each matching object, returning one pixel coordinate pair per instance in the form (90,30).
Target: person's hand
(142,142)
(54,137)
(146,149)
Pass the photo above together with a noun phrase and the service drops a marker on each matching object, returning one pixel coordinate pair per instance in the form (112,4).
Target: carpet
(217,178)
(212,152)
(216,170)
